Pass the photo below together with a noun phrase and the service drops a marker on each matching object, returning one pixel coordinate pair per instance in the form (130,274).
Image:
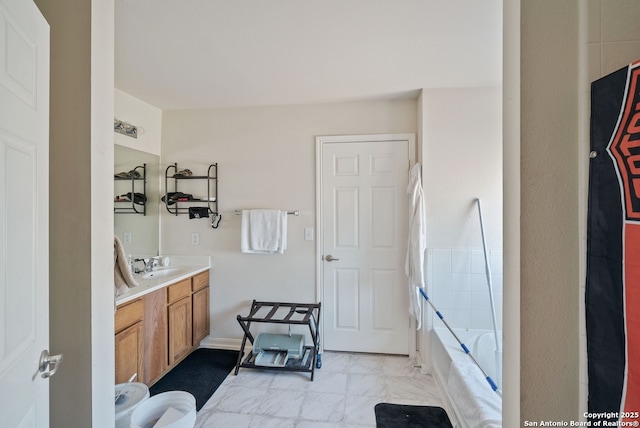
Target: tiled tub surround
(343,394)
(457,283)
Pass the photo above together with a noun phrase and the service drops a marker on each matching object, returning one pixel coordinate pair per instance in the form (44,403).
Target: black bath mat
(201,373)
(404,416)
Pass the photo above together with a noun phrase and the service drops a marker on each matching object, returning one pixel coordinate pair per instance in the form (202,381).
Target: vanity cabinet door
(129,341)
(200,315)
(129,346)
(180,329)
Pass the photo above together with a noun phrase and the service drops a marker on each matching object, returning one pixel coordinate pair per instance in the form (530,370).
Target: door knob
(49,363)
(330,258)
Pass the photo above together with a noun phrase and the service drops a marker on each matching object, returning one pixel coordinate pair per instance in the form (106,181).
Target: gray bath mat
(405,416)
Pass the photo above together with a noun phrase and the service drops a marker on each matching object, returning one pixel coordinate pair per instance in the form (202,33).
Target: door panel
(24,229)
(364,212)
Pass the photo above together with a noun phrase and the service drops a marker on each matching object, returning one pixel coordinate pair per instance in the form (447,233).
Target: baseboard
(223,343)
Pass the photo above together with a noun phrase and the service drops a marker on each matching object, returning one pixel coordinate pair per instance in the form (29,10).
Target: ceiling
(187,54)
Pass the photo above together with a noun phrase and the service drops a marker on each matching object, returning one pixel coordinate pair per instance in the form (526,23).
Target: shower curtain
(613,248)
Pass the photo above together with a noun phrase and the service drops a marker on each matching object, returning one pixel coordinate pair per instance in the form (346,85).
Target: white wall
(146,117)
(266,158)
(462,160)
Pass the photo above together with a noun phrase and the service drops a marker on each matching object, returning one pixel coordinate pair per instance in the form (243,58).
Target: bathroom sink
(160,272)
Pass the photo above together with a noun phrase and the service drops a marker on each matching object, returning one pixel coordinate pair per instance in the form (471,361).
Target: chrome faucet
(149,263)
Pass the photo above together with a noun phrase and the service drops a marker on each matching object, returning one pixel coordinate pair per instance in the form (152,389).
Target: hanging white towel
(263,232)
(417,243)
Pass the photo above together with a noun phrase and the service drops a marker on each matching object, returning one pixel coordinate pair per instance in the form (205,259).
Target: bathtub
(469,397)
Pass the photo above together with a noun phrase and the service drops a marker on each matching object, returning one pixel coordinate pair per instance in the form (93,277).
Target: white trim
(320,140)
(222,343)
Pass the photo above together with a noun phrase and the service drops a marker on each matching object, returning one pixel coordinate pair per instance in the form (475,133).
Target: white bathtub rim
(454,351)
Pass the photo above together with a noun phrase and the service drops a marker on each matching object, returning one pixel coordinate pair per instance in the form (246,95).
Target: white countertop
(158,278)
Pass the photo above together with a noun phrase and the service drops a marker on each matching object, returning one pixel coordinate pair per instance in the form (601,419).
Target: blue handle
(492,383)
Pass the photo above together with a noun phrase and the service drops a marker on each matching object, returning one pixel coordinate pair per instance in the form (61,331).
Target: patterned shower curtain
(613,248)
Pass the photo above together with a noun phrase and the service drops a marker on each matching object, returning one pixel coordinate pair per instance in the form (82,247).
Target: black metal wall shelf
(178,202)
(127,205)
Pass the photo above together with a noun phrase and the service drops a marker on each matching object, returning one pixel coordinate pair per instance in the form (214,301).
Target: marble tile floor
(342,395)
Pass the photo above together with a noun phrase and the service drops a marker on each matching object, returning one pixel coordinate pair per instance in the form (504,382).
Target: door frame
(364,138)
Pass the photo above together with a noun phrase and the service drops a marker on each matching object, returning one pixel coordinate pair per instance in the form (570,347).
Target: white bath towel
(263,231)
(480,406)
(122,277)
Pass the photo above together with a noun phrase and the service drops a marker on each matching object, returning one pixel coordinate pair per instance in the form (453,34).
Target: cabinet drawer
(179,290)
(128,314)
(201,280)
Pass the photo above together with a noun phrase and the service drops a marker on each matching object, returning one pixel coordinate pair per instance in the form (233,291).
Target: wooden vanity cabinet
(129,341)
(156,331)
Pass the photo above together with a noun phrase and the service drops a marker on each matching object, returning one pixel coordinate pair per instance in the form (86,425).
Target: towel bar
(296,212)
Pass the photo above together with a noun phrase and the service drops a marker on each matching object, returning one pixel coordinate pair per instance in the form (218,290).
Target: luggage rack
(282,313)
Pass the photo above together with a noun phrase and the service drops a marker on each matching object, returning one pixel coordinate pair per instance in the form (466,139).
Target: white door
(24,214)
(363,225)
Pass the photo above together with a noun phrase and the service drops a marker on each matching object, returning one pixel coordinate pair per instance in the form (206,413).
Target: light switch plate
(308,233)
(195,238)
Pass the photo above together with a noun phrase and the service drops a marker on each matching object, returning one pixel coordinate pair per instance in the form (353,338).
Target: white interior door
(24,229)
(364,216)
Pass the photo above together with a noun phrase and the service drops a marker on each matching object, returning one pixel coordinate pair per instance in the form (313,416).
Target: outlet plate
(195,238)
(127,238)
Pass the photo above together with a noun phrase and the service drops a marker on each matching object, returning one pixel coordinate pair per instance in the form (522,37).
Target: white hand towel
(263,231)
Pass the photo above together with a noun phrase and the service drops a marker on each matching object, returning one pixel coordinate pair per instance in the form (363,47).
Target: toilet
(131,396)
(136,409)
(173,409)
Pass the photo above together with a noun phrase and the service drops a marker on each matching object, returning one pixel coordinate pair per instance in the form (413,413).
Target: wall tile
(478,282)
(442,300)
(461,295)
(616,55)
(593,25)
(495,260)
(460,281)
(440,281)
(440,260)
(477,261)
(481,320)
(594,61)
(460,261)
(619,21)
(458,318)
(461,300)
